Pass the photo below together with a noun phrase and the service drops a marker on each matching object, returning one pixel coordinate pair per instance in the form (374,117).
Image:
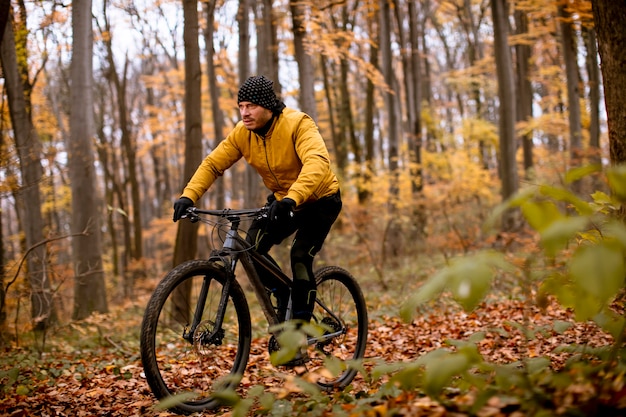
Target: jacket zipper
(267,160)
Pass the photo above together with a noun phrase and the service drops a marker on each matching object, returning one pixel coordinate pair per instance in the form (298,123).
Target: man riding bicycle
(286,149)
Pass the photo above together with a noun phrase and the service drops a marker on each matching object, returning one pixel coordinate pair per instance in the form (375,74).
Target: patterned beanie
(258,90)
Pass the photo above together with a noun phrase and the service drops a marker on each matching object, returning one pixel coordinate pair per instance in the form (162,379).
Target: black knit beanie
(258,90)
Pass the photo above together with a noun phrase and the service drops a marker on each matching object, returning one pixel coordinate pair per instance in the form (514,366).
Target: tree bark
(593,71)
(524,89)
(214,94)
(135,249)
(392,245)
(506,94)
(608,16)
(28,202)
(187,234)
(89,286)
(306,69)
(570,56)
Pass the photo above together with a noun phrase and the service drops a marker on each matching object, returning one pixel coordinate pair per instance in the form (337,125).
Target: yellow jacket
(292,159)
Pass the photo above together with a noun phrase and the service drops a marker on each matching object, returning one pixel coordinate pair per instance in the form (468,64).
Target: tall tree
(570,56)
(414,90)
(119,81)
(364,193)
(392,124)
(214,94)
(187,236)
(29,198)
(89,286)
(506,94)
(608,16)
(306,69)
(593,71)
(524,86)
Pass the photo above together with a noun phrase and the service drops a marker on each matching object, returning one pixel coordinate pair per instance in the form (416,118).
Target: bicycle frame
(235,249)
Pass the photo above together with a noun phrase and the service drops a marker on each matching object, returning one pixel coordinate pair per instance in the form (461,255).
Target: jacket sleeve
(315,159)
(212,167)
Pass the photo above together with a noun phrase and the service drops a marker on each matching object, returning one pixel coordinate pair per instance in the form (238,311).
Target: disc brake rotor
(205,336)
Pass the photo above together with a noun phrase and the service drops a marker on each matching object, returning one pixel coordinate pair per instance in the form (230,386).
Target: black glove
(281,211)
(281,219)
(180,207)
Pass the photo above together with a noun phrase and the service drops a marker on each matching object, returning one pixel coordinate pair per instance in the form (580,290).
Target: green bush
(581,265)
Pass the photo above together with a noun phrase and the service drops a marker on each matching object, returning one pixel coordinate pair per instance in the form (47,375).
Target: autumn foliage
(467,317)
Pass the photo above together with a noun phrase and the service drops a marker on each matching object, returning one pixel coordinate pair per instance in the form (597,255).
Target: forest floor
(96,371)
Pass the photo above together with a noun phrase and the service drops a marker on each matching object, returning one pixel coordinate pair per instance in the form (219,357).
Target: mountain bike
(196,332)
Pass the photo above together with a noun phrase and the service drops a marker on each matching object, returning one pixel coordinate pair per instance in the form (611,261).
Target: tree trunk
(214,94)
(593,71)
(306,69)
(187,235)
(28,202)
(3,294)
(570,56)
(135,250)
(364,193)
(506,94)
(243,24)
(524,89)
(608,16)
(415,91)
(393,245)
(89,286)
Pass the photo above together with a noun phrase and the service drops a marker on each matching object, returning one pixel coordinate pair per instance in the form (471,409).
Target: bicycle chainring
(333,325)
(273,345)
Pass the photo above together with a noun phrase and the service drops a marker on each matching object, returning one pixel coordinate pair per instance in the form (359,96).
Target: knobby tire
(193,372)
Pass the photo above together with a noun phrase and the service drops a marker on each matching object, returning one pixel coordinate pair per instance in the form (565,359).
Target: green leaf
(409,377)
(516,200)
(290,342)
(616,177)
(227,396)
(470,282)
(440,371)
(174,400)
(540,214)
(599,270)
(242,408)
(334,365)
(560,326)
(611,322)
(617,230)
(536,365)
(385,369)
(431,288)
(578,173)
(22,390)
(468,278)
(307,387)
(256,391)
(556,236)
(476,337)
(561,194)
(601,198)
(267,401)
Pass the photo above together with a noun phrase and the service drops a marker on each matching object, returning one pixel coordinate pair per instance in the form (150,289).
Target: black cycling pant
(311,224)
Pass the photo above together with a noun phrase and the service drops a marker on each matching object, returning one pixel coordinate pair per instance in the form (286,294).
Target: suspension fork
(229,244)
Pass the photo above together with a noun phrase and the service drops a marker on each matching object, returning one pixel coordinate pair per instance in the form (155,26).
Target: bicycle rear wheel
(193,364)
(341,310)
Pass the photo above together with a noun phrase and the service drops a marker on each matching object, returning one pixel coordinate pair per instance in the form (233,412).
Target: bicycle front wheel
(341,310)
(192,364)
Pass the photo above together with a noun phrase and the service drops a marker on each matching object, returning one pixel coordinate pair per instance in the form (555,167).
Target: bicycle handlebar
(230,214)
